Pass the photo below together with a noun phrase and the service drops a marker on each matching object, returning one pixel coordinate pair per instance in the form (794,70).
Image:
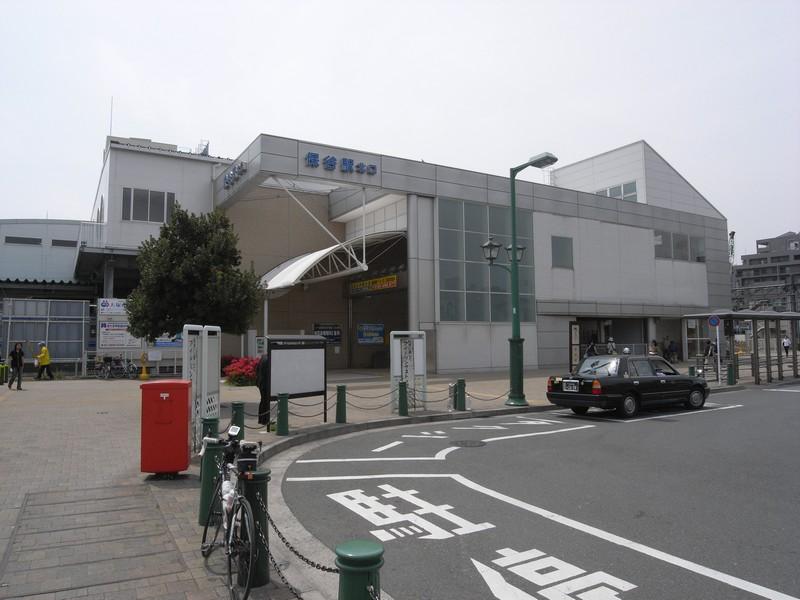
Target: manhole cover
(469,443)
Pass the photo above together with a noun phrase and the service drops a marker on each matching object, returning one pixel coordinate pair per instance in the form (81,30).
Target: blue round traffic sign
(713,320)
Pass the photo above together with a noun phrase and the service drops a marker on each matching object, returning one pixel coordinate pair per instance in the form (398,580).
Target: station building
(355,244)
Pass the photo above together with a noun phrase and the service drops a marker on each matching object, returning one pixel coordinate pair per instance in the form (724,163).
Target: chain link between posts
(479,399)
(373,595)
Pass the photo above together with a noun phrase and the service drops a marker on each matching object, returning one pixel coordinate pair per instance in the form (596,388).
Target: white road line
(524,435)
(682,563)
(484,427)
(697,412)
(427,437)
(387,446)
(441,455)
(781,390)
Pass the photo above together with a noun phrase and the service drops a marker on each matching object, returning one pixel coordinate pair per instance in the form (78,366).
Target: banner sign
(111,306)
(332,332)
(370,334)
(388,282)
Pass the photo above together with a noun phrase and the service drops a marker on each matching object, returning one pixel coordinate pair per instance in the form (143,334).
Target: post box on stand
(165,426)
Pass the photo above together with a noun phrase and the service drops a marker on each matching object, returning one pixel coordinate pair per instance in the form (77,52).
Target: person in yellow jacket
(44,362)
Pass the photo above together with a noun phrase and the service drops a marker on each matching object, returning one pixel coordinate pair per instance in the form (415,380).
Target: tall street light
(516,397)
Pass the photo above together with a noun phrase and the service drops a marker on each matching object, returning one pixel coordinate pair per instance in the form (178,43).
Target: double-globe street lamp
(491,249)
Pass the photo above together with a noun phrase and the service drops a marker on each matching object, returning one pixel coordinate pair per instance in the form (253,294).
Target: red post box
(165,426)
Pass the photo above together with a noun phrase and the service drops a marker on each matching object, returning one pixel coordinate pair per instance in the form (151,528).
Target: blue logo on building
(346,165)
(232,176)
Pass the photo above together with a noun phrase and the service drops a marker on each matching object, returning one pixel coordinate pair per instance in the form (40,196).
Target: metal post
(208,480)
(254,488)
(210,429)
(731,375)
(779,349)
(461,394)
(341,404)
(794,347)
(402,401)
(359,563)
(719,360)
(768,351)
(283,414)
(237,418)
(516,397)
(755,367)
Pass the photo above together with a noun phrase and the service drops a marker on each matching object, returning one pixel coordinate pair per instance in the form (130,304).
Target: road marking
(485,426)
(781,390)
(387,446)
(697,412)
(524,435)
(429,436)
(735,582)
(441,455)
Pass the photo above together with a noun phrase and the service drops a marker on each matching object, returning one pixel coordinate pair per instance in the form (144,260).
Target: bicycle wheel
(241,549)
(132,370)
(213,521)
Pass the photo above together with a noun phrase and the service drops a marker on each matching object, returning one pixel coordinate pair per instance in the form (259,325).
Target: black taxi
(625,383)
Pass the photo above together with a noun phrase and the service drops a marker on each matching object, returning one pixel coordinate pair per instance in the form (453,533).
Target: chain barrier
(373,595)
(504,394)
(368,407)
(371,397)
(319,414)
(306,405)
(277,569)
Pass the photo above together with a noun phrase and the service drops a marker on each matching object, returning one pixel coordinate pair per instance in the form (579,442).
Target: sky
(713,86)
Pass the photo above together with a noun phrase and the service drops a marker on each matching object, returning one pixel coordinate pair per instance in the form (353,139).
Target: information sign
(370,334)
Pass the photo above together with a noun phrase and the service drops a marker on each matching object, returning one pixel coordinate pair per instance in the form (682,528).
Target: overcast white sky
(714,87)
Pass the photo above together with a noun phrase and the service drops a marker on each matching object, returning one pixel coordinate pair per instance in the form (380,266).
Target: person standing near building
(16,360)
(673,351)
(611,347)
(44,362)
(787,343)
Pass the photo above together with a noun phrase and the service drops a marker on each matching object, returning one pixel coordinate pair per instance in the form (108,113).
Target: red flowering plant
(242,371)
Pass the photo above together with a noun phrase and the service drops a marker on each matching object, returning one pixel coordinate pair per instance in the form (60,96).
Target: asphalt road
(669,505)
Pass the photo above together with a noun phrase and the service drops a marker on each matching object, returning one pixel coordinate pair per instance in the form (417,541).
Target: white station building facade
(354,245)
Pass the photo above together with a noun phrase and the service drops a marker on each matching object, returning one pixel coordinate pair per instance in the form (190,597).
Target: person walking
(591,350)
(653,347)
(44,362)
(611,347)
(262,382)
(673,351)
(16,360)
(708,354)
(787,343)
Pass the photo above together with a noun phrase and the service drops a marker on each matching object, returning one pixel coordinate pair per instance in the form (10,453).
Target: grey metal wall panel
(719,278)
(609,309)
(414,185)
(462,192)
(599,214)
(401,166)
(279,164)
(554,193)
(461,177)
(551,307)
(554,207)
(426,227)
(427,291)
(504,198)
(635,220)
(278,145)
(687,217)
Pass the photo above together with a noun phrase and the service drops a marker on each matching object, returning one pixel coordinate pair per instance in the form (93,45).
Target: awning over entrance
(747,315)
(339,260)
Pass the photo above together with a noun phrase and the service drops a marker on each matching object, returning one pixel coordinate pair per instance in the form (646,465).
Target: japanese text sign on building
(329,162)
(388,282)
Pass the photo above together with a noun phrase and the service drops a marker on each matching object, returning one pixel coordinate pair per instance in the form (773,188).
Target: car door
(644,380)
(671,384)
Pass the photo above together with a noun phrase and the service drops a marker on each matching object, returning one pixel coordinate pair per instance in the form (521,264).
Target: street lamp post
(516,395)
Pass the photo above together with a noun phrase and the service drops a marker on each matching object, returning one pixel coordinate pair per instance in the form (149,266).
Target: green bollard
(359,563)
(254,488)
(341,404)
(210,429)
(731,375)
(3,374)
(209,470)
(402,401)
(461,394)
(237,418)
(283,414)
(692,371)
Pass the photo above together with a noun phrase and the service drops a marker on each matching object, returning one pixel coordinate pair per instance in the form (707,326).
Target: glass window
(156,206)
(598,366)
(65,243)
(640,368)
(697,245)
(126,204)
(630,197)
(500,220)
(170,205)
(473,243)
(663,243)
(501,280)
(502,255)
(501,307)
(526,309)
(629,188)
(527,256)
(525,280)
(15,239)
(524,224)
(680,246)
(662,368)
(451,275)
(450,214)
(477,278)
(562,252)
(140,205)
(615,192)
(477,307)
(451,306)
(451,244)
(475,217)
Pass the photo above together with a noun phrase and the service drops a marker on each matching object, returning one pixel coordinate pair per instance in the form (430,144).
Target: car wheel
(580,410)
(696,400)
(628,407)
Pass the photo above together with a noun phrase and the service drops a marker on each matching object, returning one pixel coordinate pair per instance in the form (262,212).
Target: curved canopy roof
(339,260)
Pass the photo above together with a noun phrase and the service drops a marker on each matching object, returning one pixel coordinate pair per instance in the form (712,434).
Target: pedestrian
(44,362)
(787,343)
(653,347)
(611,347)
(591,350)
(16,360)
(708,354)
(673,351)
(262,382)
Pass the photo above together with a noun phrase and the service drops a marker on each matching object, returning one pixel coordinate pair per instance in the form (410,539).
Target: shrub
(225,361)
(242,371)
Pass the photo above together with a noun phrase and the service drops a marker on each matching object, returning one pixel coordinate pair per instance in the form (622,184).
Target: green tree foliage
(191,274)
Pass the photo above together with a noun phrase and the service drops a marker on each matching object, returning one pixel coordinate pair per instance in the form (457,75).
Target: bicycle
(116,367)
(231,513)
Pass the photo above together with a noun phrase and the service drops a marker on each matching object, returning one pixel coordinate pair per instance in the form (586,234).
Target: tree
(191,274)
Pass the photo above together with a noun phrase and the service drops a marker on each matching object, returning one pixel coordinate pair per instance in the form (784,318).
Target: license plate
(569,386)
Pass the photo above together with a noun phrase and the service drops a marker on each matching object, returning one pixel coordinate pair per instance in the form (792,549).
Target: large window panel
(157,206)
(501,280)
(502,255)
(525,280)
(562,252)
(451,306)
(450,214)
(662,240)
(501,308)
(477,277)
(680,246)
(527,256)
(697,246)
(451,275)
(500,220)
(477,307)
(472,247)
(475,218)
(126,204)
(629,188)
(170,205)
(524,224)
(451,244)
(527,312)
(141,208)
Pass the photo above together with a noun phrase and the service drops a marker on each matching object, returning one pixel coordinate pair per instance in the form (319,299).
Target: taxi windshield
(598,366)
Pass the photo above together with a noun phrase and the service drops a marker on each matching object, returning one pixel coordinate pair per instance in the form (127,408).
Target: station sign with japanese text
(337,163)
(377,284)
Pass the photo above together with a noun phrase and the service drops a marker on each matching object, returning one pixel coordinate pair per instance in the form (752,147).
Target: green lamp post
(516,397)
